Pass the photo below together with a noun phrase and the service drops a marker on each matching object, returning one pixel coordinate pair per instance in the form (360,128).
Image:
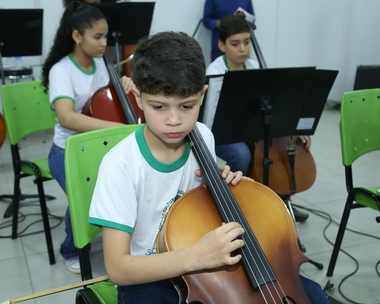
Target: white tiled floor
(25,268)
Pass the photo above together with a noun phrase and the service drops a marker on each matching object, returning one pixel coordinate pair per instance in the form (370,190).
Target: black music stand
(247,97)
(250,100)
(267,103)
(315,101)
(20,33)
(127,22)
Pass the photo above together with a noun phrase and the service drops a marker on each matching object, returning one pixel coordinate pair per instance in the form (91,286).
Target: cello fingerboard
(255,263)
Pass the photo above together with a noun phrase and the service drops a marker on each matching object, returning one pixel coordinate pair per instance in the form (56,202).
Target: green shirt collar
(225,62)
(80,68)
(152,161)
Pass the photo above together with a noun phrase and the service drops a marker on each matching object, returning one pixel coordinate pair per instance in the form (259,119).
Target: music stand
(266,103)
(20,34)
(315,101)
(247,96)
(260,104)
(127,23)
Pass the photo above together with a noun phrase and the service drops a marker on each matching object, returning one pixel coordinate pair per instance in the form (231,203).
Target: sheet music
(212,99)
(249,17)
(305,123)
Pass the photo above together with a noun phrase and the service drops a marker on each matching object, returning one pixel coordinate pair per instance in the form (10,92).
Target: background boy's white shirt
(218,67)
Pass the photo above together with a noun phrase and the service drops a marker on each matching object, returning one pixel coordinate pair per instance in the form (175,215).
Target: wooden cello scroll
(269,269)
(56,290)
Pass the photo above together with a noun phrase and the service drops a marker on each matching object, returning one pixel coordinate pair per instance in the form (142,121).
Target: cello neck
(123,99)
(259,54)
(255,263)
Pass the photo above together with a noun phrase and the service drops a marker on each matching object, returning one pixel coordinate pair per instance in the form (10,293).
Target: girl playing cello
(73,71)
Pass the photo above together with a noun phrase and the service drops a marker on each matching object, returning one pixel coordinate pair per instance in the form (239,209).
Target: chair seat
(367,201)
(105,291)
(42,164)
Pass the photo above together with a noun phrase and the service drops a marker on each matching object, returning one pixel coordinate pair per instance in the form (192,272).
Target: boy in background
(235,42)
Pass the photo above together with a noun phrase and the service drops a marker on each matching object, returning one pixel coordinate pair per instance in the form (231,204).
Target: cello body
(111,103)
(293,169)
(195,214)
(105,105)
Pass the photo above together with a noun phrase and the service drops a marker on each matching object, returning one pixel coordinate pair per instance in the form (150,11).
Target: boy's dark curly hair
(231,25)
(169,63)
(66,3)
(77,16)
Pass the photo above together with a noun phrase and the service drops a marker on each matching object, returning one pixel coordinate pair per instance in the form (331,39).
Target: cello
(269,269)
(111,103)
(292,168)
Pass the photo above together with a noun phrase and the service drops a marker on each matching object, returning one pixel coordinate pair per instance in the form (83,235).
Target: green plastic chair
(26,110)
(83,155)
(359,135)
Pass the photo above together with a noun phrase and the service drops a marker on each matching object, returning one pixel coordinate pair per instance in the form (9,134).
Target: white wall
(328,34)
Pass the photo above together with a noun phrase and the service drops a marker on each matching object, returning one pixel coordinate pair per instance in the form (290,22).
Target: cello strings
(207,168)
(215,181)
(226,200)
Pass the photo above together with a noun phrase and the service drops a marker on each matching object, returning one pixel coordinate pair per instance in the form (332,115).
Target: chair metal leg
(45,219)
(339,237)
(15,203)
(85,263)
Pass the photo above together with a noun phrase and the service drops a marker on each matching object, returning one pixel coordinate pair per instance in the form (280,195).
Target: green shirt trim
(225,62)
(105,223)
(59,97)
(91,72)
(152,161)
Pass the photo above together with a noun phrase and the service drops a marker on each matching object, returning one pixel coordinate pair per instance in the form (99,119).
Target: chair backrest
(26,109)
(359,124)
(83,155)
